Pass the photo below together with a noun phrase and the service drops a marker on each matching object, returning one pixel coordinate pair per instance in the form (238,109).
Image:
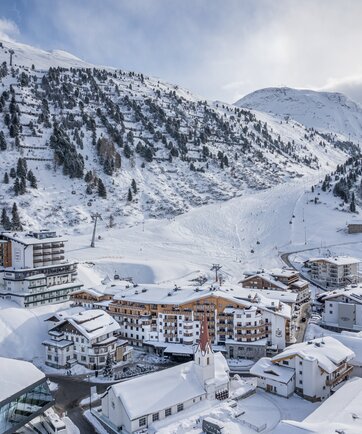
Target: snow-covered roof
(160,390)
(17,375)
(340,413)
(328,352)
(92,323)
(283,272)
(284,296)
(354,292)
(154,294)
(91,291)
(299,283)
(268,278)
(265,368)
(28,239)
(338,260)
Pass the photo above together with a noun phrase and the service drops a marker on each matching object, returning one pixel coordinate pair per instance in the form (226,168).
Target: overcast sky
(220,49)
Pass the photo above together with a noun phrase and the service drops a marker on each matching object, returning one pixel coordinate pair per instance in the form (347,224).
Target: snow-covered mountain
(157,149)
(324,111)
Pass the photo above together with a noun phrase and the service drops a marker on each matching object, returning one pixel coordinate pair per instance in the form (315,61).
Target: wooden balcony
(341,376)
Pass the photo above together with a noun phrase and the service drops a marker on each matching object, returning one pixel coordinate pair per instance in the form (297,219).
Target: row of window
(156,416)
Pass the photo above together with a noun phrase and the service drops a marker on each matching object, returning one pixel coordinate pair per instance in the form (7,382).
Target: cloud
(220,50)
(8,29)
(350,86)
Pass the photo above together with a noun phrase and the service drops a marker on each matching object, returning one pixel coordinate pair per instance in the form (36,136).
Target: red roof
(204,342)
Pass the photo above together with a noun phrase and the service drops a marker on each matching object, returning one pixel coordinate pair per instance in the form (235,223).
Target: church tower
(204,355)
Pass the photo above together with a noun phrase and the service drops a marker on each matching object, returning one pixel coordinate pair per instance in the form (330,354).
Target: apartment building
(335,271)
(342,308)
(85,338)
(244,322)
(311,369)
(278,279)
(33,268)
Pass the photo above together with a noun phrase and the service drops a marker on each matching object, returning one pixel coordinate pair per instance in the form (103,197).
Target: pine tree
(17,187)
(108,367)
(88,176)
(32,179)
(5,221)
(102,192)
(21,168)
(15,222)
(3,144)
(88,190)
(127,151)
(6,178)
(129,197)
(134,186)
(13,173)
(22,185)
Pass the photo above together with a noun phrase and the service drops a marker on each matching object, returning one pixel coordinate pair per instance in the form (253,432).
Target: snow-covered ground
(176,250)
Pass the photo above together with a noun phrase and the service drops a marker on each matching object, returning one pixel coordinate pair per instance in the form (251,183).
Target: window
(300,372)
(285,362)
(300,381)
(155,417)
(180,407)
(168,412)
(49,357)
(142,421)
(208,361)
(83,358)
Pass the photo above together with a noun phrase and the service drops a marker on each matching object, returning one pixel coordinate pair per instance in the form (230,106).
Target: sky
(219,49)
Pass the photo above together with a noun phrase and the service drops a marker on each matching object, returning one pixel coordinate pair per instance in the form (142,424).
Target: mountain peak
(323,111)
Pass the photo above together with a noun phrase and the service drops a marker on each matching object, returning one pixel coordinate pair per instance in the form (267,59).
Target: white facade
(85,338)
(317,367)
(343,308)
(156,316)
(334,271)
(136,404)
(36,271)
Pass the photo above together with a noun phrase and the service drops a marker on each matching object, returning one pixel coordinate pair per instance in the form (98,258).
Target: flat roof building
(24,394)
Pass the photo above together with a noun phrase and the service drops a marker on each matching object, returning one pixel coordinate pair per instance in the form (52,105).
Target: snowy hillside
(133,147)
(323,111)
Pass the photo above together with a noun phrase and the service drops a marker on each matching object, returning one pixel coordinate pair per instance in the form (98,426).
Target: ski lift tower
(95,217)
(11,57)
(216,268)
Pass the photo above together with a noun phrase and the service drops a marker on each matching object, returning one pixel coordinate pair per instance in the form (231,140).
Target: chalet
(278,279)
(312,369)
(90,298)
(86,338)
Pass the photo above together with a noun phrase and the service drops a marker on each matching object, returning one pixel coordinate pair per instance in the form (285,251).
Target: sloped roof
(328,351)
(154,392)
(92,323)
(341,412)
(265,368)
(17,375)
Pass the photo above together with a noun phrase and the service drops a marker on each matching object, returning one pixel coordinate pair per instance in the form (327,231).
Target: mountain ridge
(157,149)
(324,111)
